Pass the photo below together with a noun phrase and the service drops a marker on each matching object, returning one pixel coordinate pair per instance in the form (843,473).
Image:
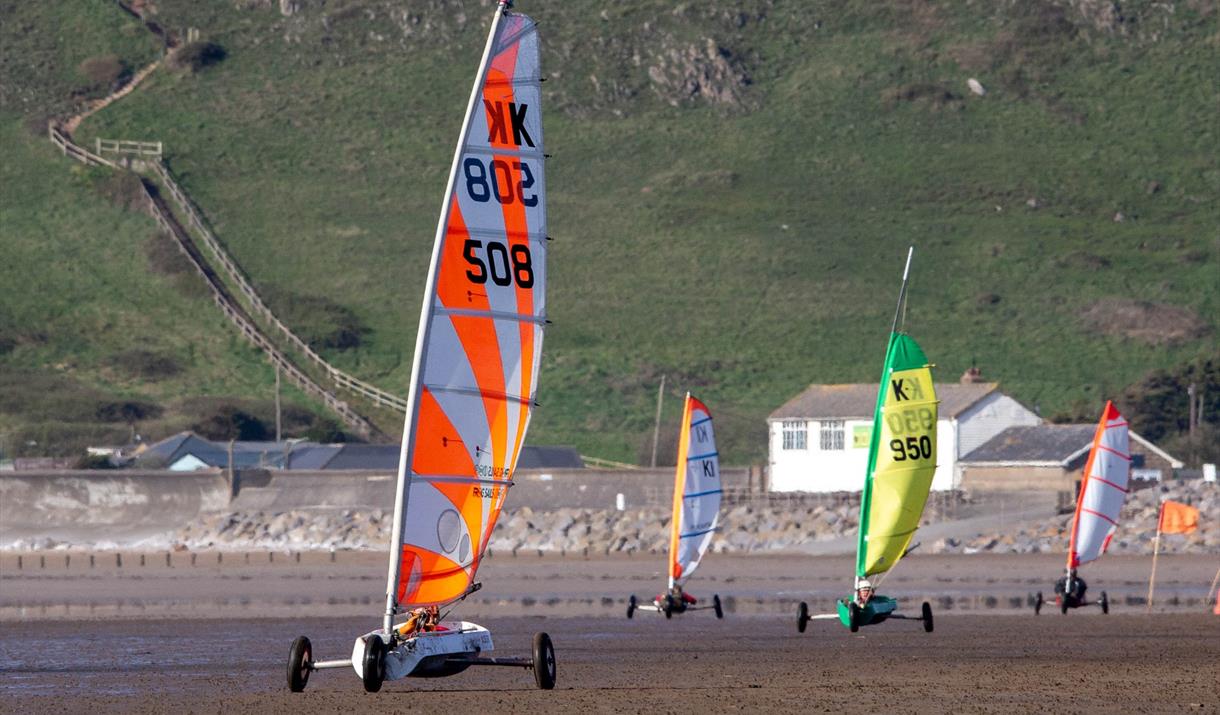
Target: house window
(831,435)
(795,434)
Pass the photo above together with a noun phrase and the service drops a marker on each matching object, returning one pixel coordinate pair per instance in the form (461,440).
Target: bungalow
(819,439)
(1051,458)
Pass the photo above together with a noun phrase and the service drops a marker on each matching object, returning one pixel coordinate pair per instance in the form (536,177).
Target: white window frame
(831,435)
(794,435)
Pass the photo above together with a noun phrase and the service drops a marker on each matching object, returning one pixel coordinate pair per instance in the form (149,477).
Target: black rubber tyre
(1105,603)
(927,617)
(719,610)
(802,617)
(631,604)
(853,617)
(300,660)
(544,662)
(374,664)
(1038,603)
(668,608)
(1063,604)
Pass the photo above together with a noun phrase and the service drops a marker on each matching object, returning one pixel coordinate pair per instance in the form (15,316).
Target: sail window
(831,435)
(795,435)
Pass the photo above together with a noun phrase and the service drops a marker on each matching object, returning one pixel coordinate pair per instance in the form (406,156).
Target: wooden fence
(220,294)
(376,395)
(124,146)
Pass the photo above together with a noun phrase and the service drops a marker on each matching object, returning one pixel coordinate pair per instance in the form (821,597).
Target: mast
(408,434)
(874,438)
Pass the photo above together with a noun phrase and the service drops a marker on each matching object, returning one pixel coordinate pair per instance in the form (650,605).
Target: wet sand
(101,639)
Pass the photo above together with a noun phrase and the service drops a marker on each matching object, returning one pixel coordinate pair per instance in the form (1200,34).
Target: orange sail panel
(1103,490)
(697,492)
(481,333)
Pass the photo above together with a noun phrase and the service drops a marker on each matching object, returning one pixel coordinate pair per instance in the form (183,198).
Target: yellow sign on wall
(860,435)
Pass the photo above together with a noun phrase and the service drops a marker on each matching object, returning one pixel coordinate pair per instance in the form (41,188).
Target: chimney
(971,376)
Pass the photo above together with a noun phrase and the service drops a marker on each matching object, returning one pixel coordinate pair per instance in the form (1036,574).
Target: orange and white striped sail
(1103,490)
(480,335)
(697,492)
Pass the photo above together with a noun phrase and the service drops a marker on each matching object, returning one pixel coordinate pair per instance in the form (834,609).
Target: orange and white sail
(479,345)
(1103,490)
(697,492)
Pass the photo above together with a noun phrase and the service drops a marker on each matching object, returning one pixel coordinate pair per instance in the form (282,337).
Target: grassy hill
(732,193)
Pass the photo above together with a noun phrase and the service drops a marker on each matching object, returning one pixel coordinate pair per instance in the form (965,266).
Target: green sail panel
(901,458)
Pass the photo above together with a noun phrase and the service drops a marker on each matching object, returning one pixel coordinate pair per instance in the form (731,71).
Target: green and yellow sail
(901,458)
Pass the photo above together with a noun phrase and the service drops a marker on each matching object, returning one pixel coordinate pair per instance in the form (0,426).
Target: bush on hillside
(128,411)
(104,73)
(231,422)
(195,56)
(145,365)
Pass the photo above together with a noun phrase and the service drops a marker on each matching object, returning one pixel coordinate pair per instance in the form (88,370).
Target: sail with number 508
(479,345)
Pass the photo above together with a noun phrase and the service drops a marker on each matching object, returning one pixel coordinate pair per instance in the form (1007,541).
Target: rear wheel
(1105,603)
(1038,603)
(802,617)
(300,660)
(1063,604)
(544,661)
(853,617)
(927,617)
(374,663)
(631,604)
(720,611)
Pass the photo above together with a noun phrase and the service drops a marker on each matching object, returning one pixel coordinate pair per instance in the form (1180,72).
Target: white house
(819,439)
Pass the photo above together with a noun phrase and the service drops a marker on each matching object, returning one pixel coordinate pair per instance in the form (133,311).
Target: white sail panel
(481,343)
(1103,490)
(697,492)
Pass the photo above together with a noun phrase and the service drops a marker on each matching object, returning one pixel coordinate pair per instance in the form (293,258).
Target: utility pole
(656,429)
(279,421)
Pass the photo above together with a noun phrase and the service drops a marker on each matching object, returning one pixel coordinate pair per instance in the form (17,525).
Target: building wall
(816,470)
(988,417)
(1017,478)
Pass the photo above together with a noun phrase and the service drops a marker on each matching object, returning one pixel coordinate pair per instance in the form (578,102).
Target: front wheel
(1038,603)
(927,617)
(544,662)
(802,617)
(300,663)
(1063,604)
(374,664)
(668,608)
(853,616)
(631,604)
(1105,603)
(720,611)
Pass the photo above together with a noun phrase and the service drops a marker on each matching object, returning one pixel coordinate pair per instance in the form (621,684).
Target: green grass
(742,251)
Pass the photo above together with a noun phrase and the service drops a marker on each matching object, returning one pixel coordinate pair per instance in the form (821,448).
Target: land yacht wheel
(374,664)
(1038,603)
(927,617)
(669,606)
(1105,603)
(853,616)
(802,617)
(544,661)
(300,659)
(631,604)
(719,610)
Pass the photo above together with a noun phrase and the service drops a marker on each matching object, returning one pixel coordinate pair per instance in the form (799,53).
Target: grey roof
(364,456)
(858,400)
(1035,443)
(313,456)
(549,458)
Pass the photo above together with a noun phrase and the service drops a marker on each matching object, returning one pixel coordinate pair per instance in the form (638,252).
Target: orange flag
(1178,518)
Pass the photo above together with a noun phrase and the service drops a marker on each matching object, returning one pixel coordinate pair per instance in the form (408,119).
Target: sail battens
(1109,483)
(702,494)
(507,151)
(1114,452)
(1099,515)
(453,479)
(696,423)
(512,236)
(493,314)
(486,394)
(709,455)
(701,532)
